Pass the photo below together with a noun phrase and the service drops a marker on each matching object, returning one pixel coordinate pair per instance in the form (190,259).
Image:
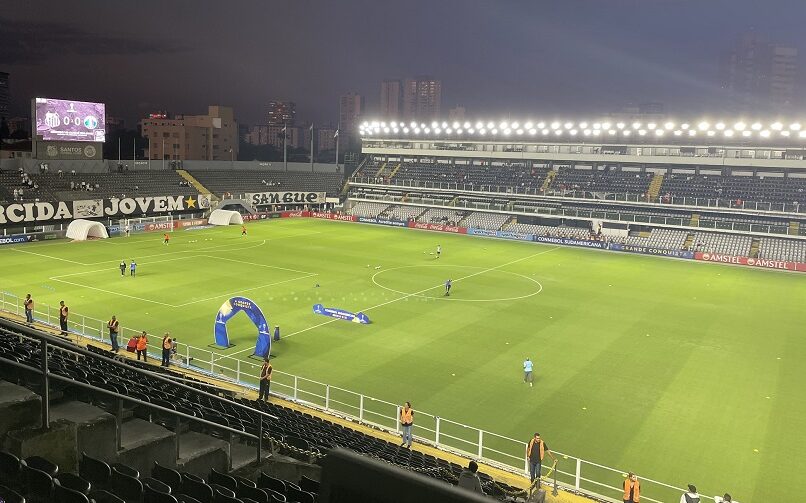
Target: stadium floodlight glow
(395,130)
(490,125)
(466,125)
(678,132)
(740,126)
(533,131)
(364,124)
(620,125)
(555,125)
(703,126)
(651,125)
(545,131)
(611,132)
(405,130)
(776,126)
(515,125)
(747,133)
(503,125)
(795,126)
(568,125)
(802,134)
(596,125)
(626,132)
(596,132)
(519,131)
(493,131)
(642,132)
(659,132)
(455,125)
(541,125)
(416,130)
(728,133)
(426,130)
(711,132)
(434,125)
(528,125)
(692,132)
(784,133)
(386,130)
(636,125)
(558,132)
(756,126)
(586,132)
(764,134)
(437,130)
(583,125)
(383,124)
(471,131)
(720,126)
(479,125)
(394,124)
(413,125)
(684,126)
(669,126)
(448,131)
(482,131)
(444,125)
(507,131)
(573,132)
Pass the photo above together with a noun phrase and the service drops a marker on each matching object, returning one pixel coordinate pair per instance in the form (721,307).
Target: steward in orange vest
(632,489)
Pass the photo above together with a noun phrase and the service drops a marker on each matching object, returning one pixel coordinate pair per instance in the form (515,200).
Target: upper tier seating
(608,180)
(731,187)
(244,181)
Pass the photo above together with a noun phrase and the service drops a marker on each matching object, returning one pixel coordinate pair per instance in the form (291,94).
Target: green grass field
(683,372)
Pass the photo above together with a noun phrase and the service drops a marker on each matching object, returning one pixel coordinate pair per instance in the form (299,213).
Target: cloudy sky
(495,57)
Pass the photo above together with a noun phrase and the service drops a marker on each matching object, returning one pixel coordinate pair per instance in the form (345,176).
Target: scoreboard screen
(68,120)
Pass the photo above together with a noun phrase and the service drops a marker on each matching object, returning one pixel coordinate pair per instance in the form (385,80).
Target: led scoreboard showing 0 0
(68,120)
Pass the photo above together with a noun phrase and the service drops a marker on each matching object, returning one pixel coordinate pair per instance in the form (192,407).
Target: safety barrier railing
(491,448)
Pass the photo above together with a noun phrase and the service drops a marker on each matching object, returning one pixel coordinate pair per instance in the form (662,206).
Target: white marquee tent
(81,230)
(225,217)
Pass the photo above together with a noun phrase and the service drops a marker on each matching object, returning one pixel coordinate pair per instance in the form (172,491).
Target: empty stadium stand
(668,239)
(294,432)
(243,181)
(489,221)
(728,244)
(782,249)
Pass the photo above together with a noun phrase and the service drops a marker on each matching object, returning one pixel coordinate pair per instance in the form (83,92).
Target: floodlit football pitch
(682,372)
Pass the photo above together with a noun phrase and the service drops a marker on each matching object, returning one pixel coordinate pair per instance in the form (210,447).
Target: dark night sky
(495,57)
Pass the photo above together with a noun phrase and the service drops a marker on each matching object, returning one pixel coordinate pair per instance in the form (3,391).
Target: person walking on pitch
(448,285)
(123,268)
(166,238)
(527,372)
(439,250)
(243,230)
(133,268)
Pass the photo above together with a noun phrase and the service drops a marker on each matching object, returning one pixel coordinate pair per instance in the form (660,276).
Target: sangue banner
(264,198)
(94,208)
(761,263)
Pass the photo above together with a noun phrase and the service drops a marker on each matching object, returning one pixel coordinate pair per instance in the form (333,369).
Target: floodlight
(583,125)
(515,125)
(795,126)
(659,132)
(386,130)
(703,126)
(776,126)
(678,132)
(416,130)
(784,133)
(490,125)
(651,125)
(746,133)
(636,125)
(533,131)
(437,130)
(555,125)
(720,126)
(620,125)
(448,131)
(558,132)
(612,132)
(482,131)
(569,125)
(642,132)
(711,132)
(405,130)
(596,125)
(455,125)
(586,132)
(669,125)
(479,125)
(740,126)
(684,126)
(596,132)
(528,125)
(573,132)
(541,125)
(765,134)
(606,125)
(435,124)
(627,132)
(466,125)
(503,125)
(728,133)
(802,134)
(545,131)
(471,131)
(692,132)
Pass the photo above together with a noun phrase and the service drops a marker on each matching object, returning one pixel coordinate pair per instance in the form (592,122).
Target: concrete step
(243,455)
(19,408)
(57,444)
(93,429)
(199,452)
(142,443)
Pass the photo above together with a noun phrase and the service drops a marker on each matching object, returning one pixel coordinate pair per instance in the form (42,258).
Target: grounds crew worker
(632,489)
(535,452)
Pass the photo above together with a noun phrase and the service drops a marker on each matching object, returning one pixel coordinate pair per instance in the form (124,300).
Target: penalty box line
(413,294)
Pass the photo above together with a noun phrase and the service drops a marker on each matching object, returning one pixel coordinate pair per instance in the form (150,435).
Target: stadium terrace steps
(547,182)
(654,187)
(198,453)
(394,171)
(195,183)
(695,220)
(754,246)
(689,241)
(17,406)
(94,428)
(794,228)
(380,171)
(143,442)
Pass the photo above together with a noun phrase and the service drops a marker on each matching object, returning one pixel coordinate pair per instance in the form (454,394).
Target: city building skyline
(213,136)
(5,95)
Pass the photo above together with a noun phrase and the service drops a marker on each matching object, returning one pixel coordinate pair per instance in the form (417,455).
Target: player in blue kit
(448,285)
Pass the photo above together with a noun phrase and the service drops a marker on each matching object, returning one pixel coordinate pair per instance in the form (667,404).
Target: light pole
(337,148)
(163,153)
(285,150)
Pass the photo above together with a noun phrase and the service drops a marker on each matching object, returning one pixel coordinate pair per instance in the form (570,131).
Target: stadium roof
(723,131)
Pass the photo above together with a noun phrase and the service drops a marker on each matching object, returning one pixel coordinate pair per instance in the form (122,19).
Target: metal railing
(468,441)
(589,196)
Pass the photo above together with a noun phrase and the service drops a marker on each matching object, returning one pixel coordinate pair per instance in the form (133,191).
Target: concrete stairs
(689,242)
(547,182)
(77,427)
(695,220)
(196,184)
(394,171)
(379,174)
(654,187)
(794,227)
(754,246)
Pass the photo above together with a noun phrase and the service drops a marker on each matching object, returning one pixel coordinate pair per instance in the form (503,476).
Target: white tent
(225,217)
(81,230)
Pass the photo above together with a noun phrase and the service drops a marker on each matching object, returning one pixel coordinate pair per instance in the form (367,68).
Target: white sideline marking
(49,256)
(248,289)
(412,295)
(113,293)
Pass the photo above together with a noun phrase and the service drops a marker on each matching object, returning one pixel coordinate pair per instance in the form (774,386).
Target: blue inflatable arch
(232,307)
